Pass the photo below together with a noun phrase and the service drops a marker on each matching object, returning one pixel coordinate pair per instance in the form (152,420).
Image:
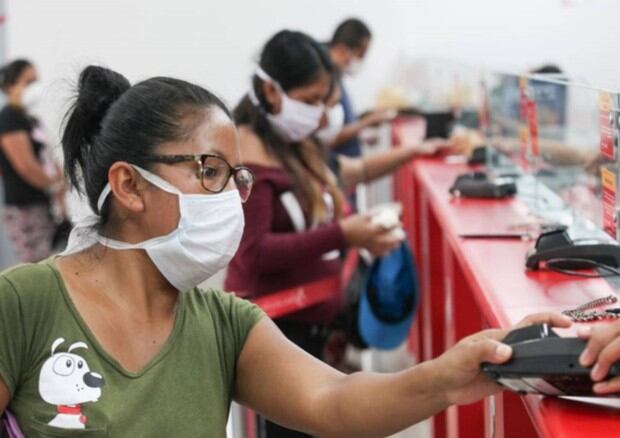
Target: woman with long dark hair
(304,224)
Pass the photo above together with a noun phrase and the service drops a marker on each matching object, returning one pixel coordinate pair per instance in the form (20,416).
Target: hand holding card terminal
(544,363)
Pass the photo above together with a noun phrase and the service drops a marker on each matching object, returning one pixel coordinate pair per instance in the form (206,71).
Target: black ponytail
(113,121)
(98,88)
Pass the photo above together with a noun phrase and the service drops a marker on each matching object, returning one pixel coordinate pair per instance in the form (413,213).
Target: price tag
(523,98)
(610,189)
(524,134)
(532,122)
(484,109)
(606,125)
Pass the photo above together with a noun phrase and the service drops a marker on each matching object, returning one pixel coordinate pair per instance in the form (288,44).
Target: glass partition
(557,136)
(549,131)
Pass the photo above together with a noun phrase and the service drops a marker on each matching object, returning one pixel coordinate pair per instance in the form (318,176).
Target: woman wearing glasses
(113,338)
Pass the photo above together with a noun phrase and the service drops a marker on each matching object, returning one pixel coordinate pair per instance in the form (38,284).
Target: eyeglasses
(214,172)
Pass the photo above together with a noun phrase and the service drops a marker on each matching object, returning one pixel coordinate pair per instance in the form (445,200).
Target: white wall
(215,42)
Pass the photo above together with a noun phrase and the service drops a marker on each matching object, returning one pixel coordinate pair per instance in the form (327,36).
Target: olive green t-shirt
(63,383)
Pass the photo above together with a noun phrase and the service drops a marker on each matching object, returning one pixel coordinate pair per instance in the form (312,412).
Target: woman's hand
(359,231)
(378,116)
(431,146)
(459,370)
(602,350)
(57,191)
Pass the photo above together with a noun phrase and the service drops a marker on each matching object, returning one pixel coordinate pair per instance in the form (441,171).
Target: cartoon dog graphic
(67,381)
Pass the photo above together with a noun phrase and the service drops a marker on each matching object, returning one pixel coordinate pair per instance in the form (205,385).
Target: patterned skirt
(30,228)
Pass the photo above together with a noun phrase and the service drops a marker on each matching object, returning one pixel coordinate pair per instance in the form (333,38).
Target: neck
(336,59)
(14,101)
(127,279)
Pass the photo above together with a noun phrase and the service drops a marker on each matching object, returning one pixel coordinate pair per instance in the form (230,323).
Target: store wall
(215,43)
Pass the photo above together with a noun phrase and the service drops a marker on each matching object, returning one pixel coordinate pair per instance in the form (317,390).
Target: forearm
(20,154)
(561,154)
(371,404)
(278,251)
(34,175)
(384,163)
(348,132)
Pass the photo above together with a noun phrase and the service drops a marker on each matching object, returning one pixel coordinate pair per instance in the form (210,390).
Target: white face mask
(335,123)
(296,120)
(354,67)
(32,96)
(205,240)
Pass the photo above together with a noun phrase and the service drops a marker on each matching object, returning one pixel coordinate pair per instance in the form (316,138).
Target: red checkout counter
(468,285)
(471,284)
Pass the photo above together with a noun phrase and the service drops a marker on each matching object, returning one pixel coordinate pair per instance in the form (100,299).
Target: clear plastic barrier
(556,135)
(550,129)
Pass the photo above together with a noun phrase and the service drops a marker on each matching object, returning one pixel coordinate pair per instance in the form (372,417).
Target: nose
(94,380)
(231,184)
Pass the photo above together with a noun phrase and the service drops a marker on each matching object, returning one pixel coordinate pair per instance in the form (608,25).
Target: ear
(127,186)
(273,97)
(76,345)
(56,343)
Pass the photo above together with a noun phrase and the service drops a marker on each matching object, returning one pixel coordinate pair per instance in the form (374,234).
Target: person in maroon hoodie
(297,221)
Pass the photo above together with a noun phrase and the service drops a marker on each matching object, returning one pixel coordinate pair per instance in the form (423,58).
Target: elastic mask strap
(102,197)
(252,96)
(117,244)
(157,181)
(265,77)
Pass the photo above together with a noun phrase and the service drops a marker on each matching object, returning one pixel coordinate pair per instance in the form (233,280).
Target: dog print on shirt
(67,382)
